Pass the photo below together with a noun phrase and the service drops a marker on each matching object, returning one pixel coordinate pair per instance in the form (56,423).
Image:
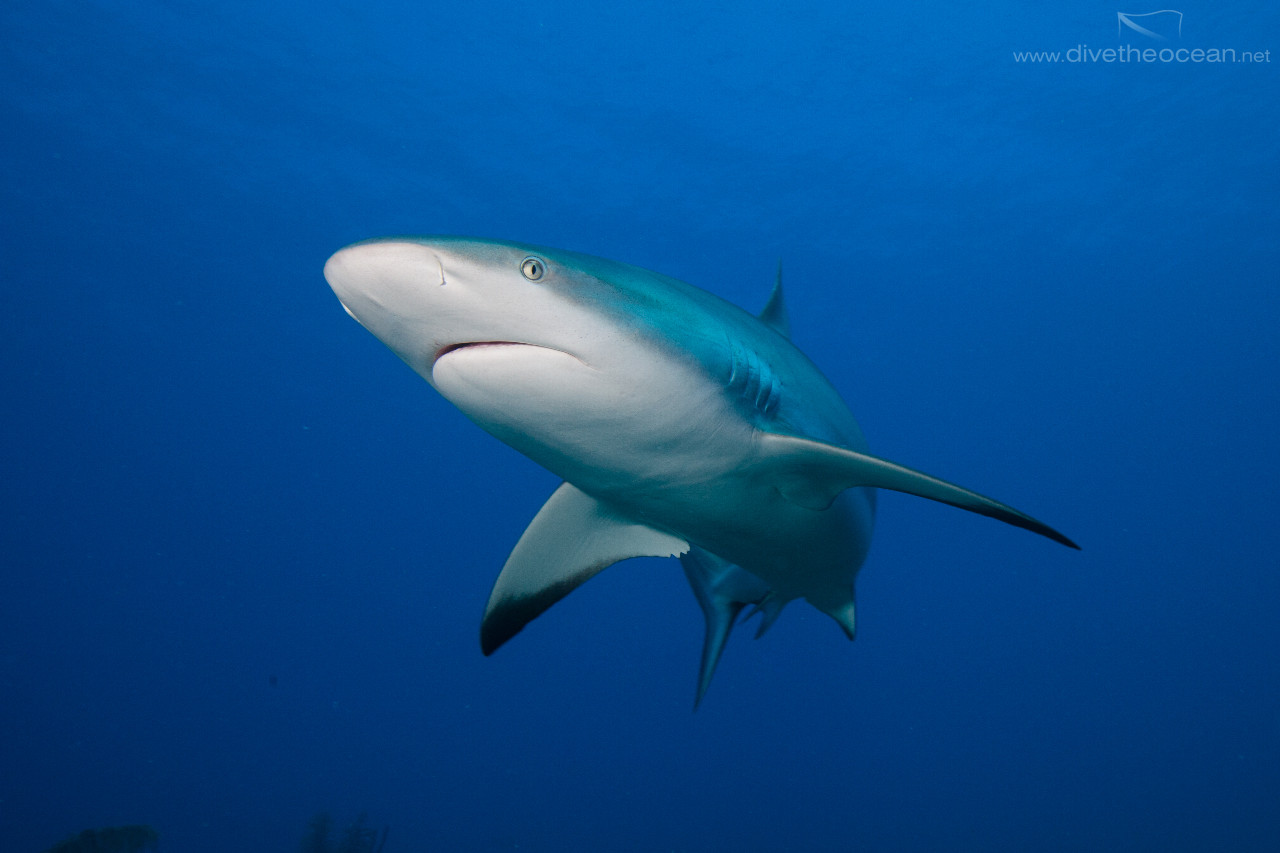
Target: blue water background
(1053,283)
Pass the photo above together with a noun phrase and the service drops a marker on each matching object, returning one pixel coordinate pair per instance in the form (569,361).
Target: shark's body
(681,424)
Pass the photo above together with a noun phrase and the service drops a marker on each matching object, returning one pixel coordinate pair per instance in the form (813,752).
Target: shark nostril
(440,264)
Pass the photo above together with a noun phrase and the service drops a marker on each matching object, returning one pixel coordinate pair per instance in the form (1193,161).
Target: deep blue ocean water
(1053,282)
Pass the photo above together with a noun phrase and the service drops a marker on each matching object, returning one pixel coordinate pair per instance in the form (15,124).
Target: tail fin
(722,590)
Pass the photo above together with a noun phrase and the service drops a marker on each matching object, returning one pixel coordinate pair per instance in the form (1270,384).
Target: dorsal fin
(775,314)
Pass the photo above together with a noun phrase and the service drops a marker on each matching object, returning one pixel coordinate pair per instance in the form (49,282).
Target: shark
(681,425)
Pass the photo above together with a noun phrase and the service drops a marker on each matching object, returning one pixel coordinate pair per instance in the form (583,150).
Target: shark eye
(533,268)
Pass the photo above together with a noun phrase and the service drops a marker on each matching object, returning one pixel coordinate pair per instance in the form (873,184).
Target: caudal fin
(722,590)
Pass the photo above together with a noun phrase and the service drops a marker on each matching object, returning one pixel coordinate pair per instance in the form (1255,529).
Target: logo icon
(1156,25)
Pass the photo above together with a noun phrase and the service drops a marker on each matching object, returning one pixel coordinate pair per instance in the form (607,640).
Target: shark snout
(393,288)
(334,275)
(388,276)
(342,271)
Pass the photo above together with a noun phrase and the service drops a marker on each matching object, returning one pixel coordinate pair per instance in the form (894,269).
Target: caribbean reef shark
(681,425)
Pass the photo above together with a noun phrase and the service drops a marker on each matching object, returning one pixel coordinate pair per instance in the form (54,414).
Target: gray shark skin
(681,425)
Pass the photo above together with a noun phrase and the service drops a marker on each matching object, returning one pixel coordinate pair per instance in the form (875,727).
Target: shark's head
(439,302)
(537,346)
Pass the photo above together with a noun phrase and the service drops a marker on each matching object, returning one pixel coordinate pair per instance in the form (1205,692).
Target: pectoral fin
(571,539)
(811,474)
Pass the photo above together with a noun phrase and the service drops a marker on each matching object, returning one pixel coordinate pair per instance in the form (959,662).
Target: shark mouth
(472,344)
(465,345)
